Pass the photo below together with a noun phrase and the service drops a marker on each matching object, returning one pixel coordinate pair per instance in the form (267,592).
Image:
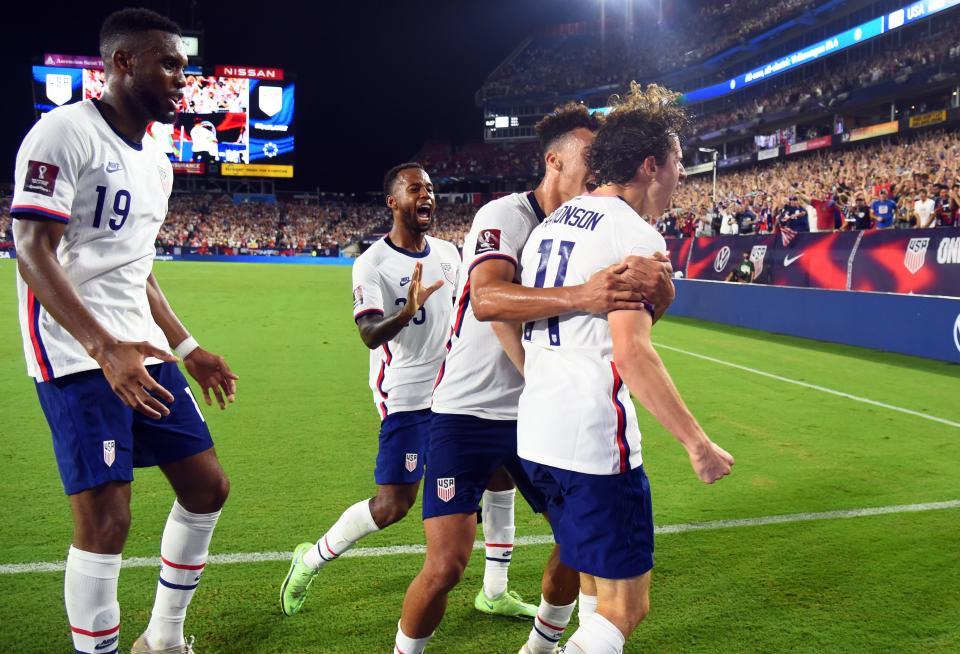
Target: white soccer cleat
(140,646)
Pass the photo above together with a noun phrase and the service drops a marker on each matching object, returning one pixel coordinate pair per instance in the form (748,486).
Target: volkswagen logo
(723,256)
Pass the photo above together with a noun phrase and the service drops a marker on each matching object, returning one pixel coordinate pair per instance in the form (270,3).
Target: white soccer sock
(548,626)
(407,645)
(183,556)
(596,636)
(90,593)
(355,523)
(498,532)
(587,607)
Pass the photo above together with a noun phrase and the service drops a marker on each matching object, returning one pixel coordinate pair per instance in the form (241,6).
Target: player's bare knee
(445,572)
(220,490)
(106,533)
(628,615)
(388,510)
(208,497)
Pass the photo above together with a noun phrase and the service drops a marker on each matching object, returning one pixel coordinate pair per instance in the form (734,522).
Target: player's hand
(417,295)
(213,374)
(122,365)
(711,462)
(626,285)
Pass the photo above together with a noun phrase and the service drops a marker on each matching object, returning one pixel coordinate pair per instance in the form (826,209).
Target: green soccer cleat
(509,604)
(294,589)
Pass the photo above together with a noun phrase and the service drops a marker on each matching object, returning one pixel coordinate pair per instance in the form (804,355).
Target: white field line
(822,389)
(259,557)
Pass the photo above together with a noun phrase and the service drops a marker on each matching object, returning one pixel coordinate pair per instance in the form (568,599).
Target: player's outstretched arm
(375,330)
(210,370)
(648,380)
(628,285)
(121,362)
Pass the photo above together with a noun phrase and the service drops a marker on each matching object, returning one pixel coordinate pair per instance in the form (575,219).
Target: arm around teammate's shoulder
(648,380)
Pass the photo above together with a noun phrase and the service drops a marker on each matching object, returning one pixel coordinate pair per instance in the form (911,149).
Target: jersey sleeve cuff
(34,212)
(367,312)
(488,257)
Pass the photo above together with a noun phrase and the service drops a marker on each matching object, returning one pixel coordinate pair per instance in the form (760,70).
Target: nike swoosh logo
(788,260)
(404,282)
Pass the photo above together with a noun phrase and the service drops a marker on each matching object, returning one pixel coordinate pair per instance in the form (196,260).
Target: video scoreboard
(234,121)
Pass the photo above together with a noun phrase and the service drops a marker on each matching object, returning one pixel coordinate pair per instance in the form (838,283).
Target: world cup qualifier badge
(488,240)
(41,178)
(357,297)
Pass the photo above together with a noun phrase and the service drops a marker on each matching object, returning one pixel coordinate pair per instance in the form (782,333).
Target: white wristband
(187,345)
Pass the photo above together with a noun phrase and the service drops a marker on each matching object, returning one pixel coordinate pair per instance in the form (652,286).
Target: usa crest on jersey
(446,488)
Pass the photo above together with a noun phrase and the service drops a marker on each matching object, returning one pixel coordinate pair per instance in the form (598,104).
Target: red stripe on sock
(498,544)
(547,624)
(94,634)
(400,651)
(180,566)
(325,544)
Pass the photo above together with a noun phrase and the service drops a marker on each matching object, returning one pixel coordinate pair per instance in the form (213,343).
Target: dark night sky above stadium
(374,79)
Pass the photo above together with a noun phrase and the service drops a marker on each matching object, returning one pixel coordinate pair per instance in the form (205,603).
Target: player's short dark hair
(563,120)
(394,172)
(644,124)
(130,21)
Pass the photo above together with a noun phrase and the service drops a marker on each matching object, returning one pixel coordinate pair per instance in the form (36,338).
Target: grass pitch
(299,447)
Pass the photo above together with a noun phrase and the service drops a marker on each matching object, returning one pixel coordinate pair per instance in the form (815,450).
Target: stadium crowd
(917,180)
(908,184)
(838,80)
(589,57)
(481,161)
(209,223)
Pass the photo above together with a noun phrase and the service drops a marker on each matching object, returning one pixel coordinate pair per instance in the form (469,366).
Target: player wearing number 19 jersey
(91,193)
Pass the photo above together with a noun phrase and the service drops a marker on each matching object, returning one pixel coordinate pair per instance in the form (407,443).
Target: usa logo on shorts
(109,452)
(446,489)
(410,462)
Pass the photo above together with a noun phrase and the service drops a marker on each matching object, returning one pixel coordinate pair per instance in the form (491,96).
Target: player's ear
(553,160)
(122,60)
(391,202)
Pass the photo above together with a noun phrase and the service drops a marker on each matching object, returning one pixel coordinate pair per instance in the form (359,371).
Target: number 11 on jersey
(545,250)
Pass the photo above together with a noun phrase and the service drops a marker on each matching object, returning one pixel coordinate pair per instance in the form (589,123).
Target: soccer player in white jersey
(473,429)
(90,195)
(586,457)
(405,323)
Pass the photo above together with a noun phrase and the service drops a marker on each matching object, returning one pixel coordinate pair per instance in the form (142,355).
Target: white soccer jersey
(575,411)
(477,378)
(112,194)
(403,370)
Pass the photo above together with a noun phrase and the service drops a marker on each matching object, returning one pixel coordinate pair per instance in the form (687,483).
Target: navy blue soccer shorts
(603,523)
(403,446)
(98,439)
(464,453)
